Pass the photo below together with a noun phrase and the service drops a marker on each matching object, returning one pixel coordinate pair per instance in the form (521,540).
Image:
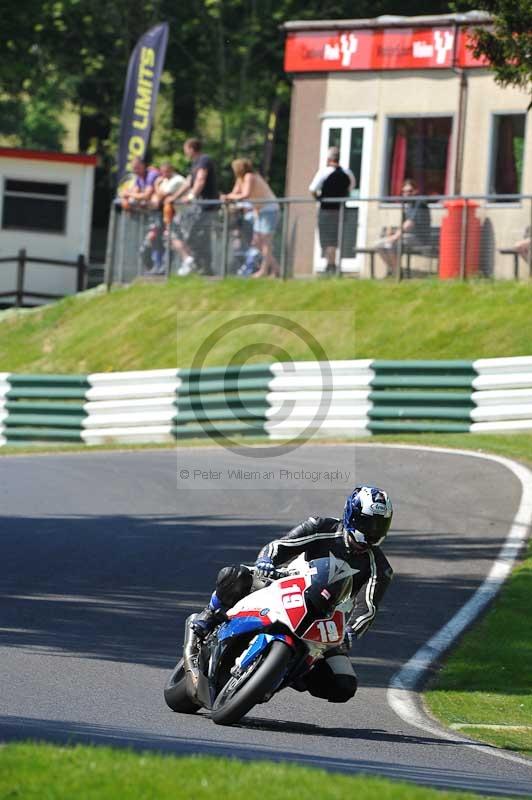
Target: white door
(353,137)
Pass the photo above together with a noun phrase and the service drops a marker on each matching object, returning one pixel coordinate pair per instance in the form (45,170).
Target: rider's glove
(349,637)
(265,567)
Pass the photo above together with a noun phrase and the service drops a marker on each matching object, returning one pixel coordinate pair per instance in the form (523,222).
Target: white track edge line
(401,697)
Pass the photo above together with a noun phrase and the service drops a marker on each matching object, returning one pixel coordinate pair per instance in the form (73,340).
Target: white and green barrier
(421,396)
(281,401)
(4,388)
(42,408)
(133,407)
(222,401)
(326,399)
(502,395)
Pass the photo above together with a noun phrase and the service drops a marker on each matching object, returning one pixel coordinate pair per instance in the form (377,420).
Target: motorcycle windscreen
(331,584)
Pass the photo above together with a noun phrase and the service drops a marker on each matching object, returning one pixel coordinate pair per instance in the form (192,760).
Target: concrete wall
(308,99)
(390,93)
(503,223)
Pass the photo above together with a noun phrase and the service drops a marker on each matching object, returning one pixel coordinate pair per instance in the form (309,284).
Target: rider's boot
(207,620)
(198,627)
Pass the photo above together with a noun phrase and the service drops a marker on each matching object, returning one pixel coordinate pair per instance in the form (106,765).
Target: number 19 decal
(328,630)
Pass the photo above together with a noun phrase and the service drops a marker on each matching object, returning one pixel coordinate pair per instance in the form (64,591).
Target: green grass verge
(36,771)
(516,447)
(148,326)
(487,679)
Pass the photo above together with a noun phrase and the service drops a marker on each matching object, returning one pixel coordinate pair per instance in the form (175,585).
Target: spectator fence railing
(469,236)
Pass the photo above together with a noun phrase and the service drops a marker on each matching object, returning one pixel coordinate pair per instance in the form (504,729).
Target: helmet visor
(371,529)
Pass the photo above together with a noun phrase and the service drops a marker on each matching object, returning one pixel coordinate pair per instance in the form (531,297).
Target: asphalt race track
(103,555)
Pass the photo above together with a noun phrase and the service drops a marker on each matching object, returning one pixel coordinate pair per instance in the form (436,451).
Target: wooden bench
(431,250)
(511,251)
(371,252)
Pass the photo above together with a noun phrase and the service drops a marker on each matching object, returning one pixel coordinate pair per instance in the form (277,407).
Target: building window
(34,206)
(419,148)
(506,168)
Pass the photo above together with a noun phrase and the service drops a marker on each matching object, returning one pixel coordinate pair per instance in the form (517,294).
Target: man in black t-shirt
(331,181)
(194,242)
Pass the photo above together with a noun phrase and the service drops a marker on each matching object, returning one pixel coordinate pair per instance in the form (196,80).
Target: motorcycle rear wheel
(175,693)
(235,700)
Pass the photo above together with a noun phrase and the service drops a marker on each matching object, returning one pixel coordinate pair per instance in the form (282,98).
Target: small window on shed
(506,168)
(418,148)
(34,206)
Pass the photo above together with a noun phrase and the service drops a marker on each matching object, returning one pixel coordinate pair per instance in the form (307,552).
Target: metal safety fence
(383,237)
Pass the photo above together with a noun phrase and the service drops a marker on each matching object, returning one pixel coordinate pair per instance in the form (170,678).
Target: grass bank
(147,326)
(34,771)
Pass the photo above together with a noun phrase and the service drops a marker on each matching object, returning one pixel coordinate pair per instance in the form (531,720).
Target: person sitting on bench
(523,246)
(414,232)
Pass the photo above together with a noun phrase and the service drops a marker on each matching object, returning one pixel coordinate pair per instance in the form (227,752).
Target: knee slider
(233,583)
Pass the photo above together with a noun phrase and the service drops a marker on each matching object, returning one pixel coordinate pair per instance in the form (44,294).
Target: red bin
(459,223)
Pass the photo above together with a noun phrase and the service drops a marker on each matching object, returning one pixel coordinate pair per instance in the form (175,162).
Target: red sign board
(465,56)
(377,49)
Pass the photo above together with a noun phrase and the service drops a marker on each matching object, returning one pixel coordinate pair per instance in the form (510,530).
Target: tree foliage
(223,73)
(507,44)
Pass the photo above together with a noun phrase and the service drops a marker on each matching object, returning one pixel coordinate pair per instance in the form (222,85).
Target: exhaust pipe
(190,657)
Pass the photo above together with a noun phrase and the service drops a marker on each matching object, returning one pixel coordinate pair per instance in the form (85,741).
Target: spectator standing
(194,242)
(331,181)
(139,194)
(165,187)
(250,185)
(413,232)
(152,250)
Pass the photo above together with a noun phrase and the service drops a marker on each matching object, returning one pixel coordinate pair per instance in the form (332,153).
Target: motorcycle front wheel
(175,693)
(237,698)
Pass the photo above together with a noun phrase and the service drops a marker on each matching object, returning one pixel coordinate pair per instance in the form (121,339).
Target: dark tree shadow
(119,588)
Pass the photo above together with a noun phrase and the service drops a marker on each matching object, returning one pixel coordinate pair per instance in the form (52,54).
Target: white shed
(45,209)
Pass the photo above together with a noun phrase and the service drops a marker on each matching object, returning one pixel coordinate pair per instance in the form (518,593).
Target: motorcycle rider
(355,539)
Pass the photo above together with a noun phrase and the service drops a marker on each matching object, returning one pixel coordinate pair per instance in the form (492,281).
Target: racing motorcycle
(271,639)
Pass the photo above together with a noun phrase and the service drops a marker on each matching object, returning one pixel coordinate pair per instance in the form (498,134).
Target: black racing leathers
(317,537)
